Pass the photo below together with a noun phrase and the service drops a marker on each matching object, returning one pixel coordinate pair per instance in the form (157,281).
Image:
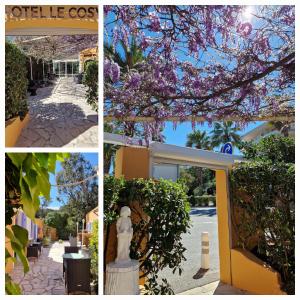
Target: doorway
(201,192)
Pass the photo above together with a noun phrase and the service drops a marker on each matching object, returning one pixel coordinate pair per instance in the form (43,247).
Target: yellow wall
(85,55)
(10,265)
(92,215)
(223,225)
(40,224)
(132,163)
(13,129)
(53,22)
(251,274)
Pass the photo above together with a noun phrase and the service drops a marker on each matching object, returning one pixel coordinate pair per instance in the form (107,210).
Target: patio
(46,273)
(60,117)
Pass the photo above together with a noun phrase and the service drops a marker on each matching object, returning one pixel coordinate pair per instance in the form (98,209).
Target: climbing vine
(26,179)
(160,213)
(90,80)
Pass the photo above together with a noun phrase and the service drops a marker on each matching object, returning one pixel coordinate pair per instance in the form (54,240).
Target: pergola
(64,50)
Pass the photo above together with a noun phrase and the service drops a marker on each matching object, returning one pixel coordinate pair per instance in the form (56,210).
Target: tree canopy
(81,198)
(201,62)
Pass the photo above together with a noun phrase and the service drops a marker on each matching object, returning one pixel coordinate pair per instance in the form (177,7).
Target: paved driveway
(60,117)
(203,219)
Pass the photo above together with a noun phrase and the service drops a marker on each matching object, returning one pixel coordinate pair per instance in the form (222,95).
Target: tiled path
(60,117)
(46,273)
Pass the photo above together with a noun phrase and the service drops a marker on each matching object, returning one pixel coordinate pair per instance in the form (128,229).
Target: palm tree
(199,140)
(130,58)
(225,132)
(283,127)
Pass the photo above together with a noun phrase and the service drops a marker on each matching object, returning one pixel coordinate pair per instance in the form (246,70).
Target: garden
(51,249)
(51,90)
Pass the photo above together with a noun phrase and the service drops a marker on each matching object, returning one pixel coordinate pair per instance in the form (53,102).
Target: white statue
(124,234)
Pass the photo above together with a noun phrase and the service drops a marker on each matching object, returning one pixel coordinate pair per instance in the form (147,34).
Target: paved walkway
(215,288)
(46,273)
(60,117)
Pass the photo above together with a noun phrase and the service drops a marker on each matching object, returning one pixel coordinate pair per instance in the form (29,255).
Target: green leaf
(17,158)
(44,184)
(42,159)
(11,288)
(21,233)
(21,254)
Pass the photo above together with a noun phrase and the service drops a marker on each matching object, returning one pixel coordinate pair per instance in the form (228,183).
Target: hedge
(263,205)
(163,211)
(15,82)
(204,200)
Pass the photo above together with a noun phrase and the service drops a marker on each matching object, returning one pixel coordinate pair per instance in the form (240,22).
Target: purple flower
(245,29)
(154,22)
(193,46)
(115,72)
(107,68)
(134,81)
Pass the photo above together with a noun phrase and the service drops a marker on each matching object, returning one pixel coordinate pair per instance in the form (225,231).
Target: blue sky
(178,136)
(91,157)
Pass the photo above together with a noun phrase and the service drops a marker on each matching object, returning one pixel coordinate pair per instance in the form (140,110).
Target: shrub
(263,198)
(90,80)
(59,220)
(15,82)
(205,200)
(46,241)
(93,247)
(162,210)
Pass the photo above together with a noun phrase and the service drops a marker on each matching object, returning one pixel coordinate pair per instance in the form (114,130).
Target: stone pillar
(122,279)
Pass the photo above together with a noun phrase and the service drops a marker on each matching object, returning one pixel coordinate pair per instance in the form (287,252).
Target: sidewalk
(215,288)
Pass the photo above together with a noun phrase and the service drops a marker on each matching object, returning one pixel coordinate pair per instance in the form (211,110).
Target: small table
(68,256)
(39,245)
(76,270)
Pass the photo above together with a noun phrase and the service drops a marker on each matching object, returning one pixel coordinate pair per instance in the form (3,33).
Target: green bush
(46,241)
(166,204)
(90,80)
(205,200)
(59,220)
(263,200)
(93,247)
(15,82)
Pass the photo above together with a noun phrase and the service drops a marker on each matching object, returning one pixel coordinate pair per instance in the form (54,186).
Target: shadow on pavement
(210,212)
(200,273)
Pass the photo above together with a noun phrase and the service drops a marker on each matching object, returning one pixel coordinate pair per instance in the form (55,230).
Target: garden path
(45,276)
(60,117)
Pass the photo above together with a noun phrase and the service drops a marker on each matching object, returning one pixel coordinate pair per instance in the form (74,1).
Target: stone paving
(46,273)
(60,117)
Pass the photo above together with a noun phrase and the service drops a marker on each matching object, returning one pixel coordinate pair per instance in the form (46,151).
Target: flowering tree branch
(201,63)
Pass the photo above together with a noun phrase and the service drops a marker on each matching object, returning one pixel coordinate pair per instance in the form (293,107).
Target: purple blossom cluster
(111,71)
(204,61)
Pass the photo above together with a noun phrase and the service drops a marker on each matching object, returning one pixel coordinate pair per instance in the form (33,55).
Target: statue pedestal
(122,278)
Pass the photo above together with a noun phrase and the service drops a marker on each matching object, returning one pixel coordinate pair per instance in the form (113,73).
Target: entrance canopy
(166,153)
(50,20)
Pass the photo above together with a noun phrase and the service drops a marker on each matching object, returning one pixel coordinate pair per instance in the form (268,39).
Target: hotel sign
(51,12)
